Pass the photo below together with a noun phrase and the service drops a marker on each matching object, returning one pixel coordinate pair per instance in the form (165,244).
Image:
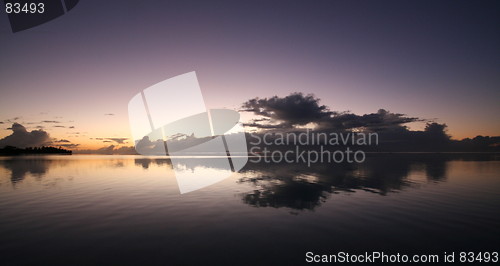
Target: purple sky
(429,59)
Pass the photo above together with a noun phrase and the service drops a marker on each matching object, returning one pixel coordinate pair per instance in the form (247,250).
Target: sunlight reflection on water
(124,209)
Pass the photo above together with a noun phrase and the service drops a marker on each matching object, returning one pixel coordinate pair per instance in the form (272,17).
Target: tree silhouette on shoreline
(11,150)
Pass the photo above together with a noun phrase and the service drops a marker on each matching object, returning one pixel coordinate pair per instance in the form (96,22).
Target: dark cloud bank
(298,110)
(22,138)
(295,111)
(291,114)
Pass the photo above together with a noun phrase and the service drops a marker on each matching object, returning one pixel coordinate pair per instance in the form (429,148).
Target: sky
(74,76)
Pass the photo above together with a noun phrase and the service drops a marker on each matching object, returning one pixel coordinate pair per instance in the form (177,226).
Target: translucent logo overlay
(170,118)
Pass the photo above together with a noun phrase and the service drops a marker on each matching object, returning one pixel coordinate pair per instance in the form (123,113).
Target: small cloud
(62,141)
(110,114)
(60,126)
(51,121)
(117,140)
(1,122)
(69,146)
(111,149)
(71,127)
(11,120)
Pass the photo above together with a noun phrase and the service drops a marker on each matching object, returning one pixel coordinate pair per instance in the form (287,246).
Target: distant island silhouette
(10,150)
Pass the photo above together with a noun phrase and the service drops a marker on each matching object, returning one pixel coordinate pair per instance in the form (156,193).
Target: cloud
(381,120)
(1,122)
(298,109)
(51,121)
(22,138)
(69,145)
(146,146)
(111,149)
(64,143)
(110,114)
(118,140)
(71,127)
(292,110)
(59,126)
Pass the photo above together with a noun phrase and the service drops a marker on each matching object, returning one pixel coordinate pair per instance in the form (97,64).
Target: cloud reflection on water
(278,185)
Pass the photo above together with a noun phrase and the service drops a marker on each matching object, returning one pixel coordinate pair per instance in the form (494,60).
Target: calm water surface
(116,210)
